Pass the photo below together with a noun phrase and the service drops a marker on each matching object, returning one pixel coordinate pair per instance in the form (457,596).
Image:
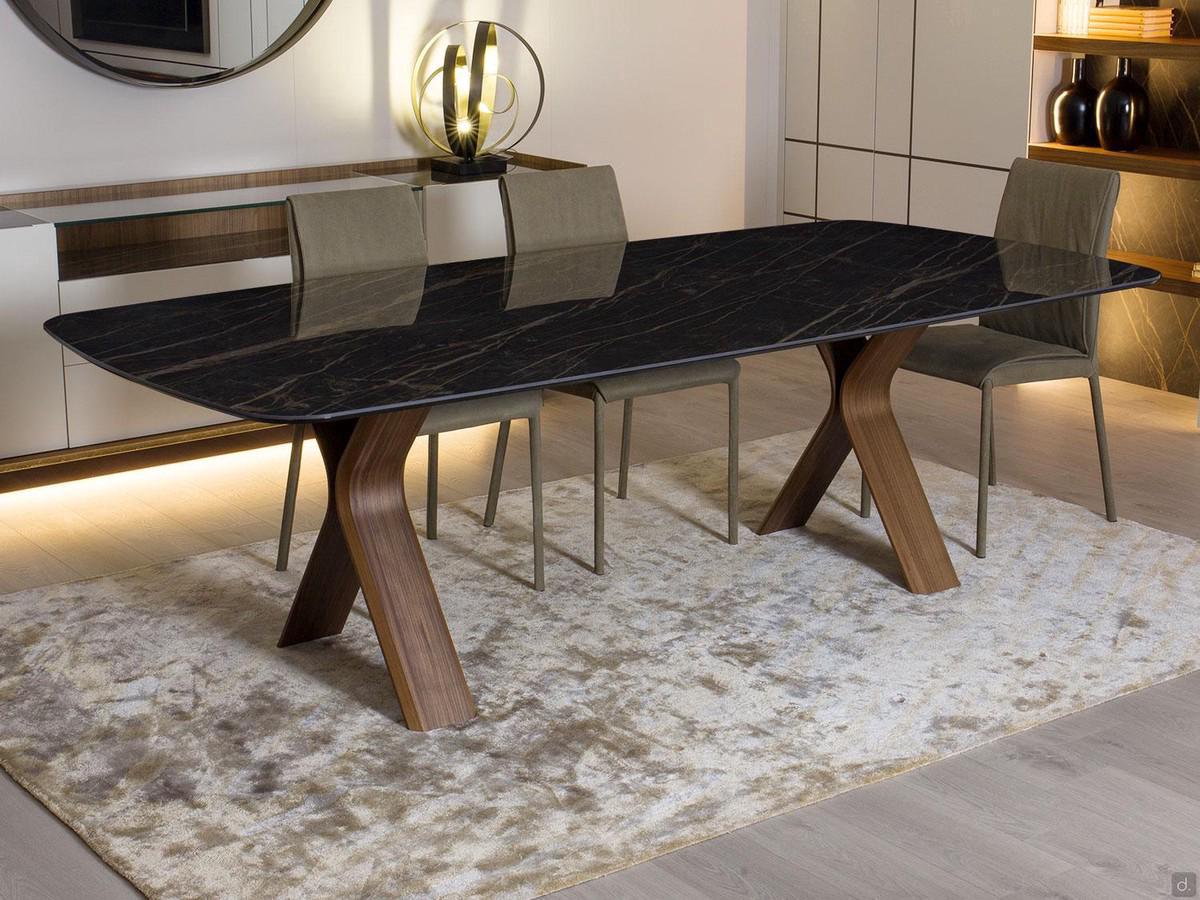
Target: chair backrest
(1070,208)
(348,232)
(562,208)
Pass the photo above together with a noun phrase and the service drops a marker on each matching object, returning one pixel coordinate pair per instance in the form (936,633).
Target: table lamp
(470,111)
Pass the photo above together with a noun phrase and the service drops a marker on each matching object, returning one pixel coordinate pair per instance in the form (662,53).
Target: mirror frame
(307,17)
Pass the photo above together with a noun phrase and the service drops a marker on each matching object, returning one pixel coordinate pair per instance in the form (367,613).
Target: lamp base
(492,164)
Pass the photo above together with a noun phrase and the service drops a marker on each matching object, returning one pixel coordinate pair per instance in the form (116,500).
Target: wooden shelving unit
(1158,161)
(1177,275)
(1150,48)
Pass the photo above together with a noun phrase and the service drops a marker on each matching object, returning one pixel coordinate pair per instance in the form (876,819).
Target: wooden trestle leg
(860,418)
(368,540)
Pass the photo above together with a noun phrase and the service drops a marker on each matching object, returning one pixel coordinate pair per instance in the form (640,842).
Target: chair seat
(482,411)
(974,354)
(657,381)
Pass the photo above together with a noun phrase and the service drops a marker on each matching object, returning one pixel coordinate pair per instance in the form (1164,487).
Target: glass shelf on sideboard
(188,204)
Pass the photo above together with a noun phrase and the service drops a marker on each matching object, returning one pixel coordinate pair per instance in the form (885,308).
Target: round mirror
(170,43)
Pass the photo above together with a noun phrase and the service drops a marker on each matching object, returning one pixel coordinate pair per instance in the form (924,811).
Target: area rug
(697,688)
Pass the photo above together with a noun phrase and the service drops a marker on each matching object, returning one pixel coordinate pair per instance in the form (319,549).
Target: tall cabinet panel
(803,69)
(971,80)
(849,44)
(893,78)
(922,106)
(32,401)
(844,183)
(800,179)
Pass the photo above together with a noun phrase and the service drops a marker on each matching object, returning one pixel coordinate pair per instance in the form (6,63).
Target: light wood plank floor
(1102,804)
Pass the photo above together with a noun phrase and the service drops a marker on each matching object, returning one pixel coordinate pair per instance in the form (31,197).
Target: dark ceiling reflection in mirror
(170,43)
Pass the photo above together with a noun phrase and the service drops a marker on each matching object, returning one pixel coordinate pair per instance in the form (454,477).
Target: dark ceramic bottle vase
(1074,110)
(1122,111)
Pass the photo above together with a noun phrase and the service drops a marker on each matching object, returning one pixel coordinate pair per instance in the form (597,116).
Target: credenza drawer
(102,407)
(167,284)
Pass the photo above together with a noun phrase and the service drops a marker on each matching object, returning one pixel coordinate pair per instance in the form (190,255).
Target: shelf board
(1144,48)
(1177,275)
(1150,161)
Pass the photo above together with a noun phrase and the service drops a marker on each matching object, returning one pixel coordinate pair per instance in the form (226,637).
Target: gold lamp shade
(470,86)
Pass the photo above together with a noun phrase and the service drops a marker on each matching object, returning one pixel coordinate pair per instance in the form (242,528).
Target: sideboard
(86,248)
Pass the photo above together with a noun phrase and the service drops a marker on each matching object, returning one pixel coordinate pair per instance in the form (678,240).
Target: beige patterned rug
(697,688)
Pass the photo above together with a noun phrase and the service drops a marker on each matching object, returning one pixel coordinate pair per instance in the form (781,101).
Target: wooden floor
(1102,804)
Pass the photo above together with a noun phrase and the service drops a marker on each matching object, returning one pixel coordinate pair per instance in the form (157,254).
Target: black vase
(1122,111)
(1075,110)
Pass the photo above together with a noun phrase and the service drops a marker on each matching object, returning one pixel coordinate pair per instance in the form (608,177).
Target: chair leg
(289,500)
(535,478)
(626,442)
(598,484)
(431,490)
(864,498)
(985,459)
(992,453)
(734,441)
(489,516)
(1110,496)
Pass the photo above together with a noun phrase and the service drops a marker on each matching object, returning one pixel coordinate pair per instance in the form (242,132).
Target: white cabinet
(166,284)
(800,179)
(803,70)
(972,80)
(893,77)
(906,89)
(102,407)
(32,416)
(958,198)
(849,45)
(890,200)
(844,183)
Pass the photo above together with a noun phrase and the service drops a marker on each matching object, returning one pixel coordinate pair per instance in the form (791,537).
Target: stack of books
(1133,22)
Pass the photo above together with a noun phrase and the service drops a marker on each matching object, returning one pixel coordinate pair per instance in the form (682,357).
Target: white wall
(658,89)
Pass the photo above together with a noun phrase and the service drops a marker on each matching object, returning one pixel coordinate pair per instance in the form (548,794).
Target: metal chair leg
(992,453)
(598,484)
(289,500)
(864,498)
(535,476)
(489,516)
(985,457)
(734,441)
(1110,496)
(626,442)
(431,490)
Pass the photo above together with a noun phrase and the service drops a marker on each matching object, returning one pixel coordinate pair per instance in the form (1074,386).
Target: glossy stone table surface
(346,347)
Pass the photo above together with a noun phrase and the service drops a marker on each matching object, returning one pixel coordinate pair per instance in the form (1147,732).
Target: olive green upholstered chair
(1054,205)
(556,210)
(374,229)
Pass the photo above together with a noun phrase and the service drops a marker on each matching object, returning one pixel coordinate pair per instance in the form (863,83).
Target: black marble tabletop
(413,337)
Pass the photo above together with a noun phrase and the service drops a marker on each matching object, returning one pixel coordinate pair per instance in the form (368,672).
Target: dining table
(362,358)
